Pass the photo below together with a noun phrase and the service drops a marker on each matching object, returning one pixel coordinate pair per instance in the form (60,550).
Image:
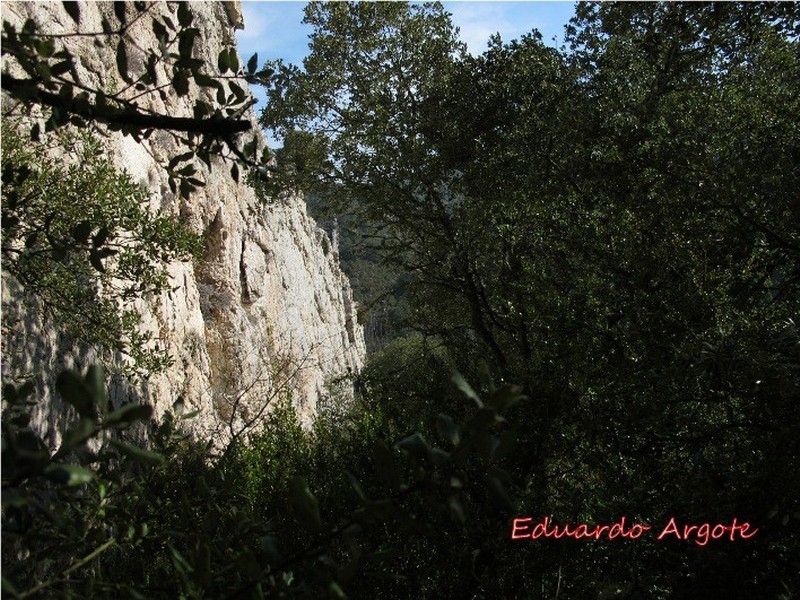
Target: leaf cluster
(168,70)
(287,514)
(80,237)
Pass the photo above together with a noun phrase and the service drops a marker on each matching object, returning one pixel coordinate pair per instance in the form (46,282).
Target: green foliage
(51,82)
(338,115)
(270,460)
(289,514)
(47,496)
(406,384)
(613,226)
(80,237)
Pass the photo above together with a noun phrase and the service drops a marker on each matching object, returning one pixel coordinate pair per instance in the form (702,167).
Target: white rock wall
(268,311)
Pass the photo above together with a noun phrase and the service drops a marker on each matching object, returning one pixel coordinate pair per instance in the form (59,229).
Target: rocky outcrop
(267,312)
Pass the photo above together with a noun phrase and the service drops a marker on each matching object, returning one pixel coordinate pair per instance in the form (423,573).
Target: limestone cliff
(266,313)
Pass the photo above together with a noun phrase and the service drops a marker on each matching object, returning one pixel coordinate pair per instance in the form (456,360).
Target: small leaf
(181,564)
(265,74)
(447,429)
(128,413)
(184,14)
(100,237)
(25,390)
(76,436)
(81,231)
(30,241)
(60,68)
(252,64)
(237,91)
(138,454)
(95,381)
(160,31)
(439,457)
(205,81)
(95,259)
(416,445)
(180,81)
(173,162)
(466,389)
(505,397)
(178,406)
(223,61)
(46,47)
(304,503)
(186,189)
(336,590)
(43,70)
(233,59)
(68,474)
(186,43)
(9,393)
(74,390)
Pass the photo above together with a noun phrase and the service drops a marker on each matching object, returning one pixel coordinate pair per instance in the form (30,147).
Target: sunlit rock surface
(267,313)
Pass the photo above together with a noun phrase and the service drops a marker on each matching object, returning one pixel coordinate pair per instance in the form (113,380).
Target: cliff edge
(265,314)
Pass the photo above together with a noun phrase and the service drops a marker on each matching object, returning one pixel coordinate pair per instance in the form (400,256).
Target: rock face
(266,314)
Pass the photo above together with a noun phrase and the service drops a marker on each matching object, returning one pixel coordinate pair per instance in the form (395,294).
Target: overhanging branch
(29,89)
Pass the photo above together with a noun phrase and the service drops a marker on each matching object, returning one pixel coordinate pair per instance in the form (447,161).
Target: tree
(612,226)
(389,127)
(79,237)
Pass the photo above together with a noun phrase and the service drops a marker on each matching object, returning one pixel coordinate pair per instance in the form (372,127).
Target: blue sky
(275,29)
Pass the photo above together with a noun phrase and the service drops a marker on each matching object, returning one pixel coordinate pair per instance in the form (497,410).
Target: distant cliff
(266,314)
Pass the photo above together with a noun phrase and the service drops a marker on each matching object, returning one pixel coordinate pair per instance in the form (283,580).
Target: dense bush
(288,514)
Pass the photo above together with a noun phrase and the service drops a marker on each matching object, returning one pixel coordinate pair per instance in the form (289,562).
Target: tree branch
(29,89)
